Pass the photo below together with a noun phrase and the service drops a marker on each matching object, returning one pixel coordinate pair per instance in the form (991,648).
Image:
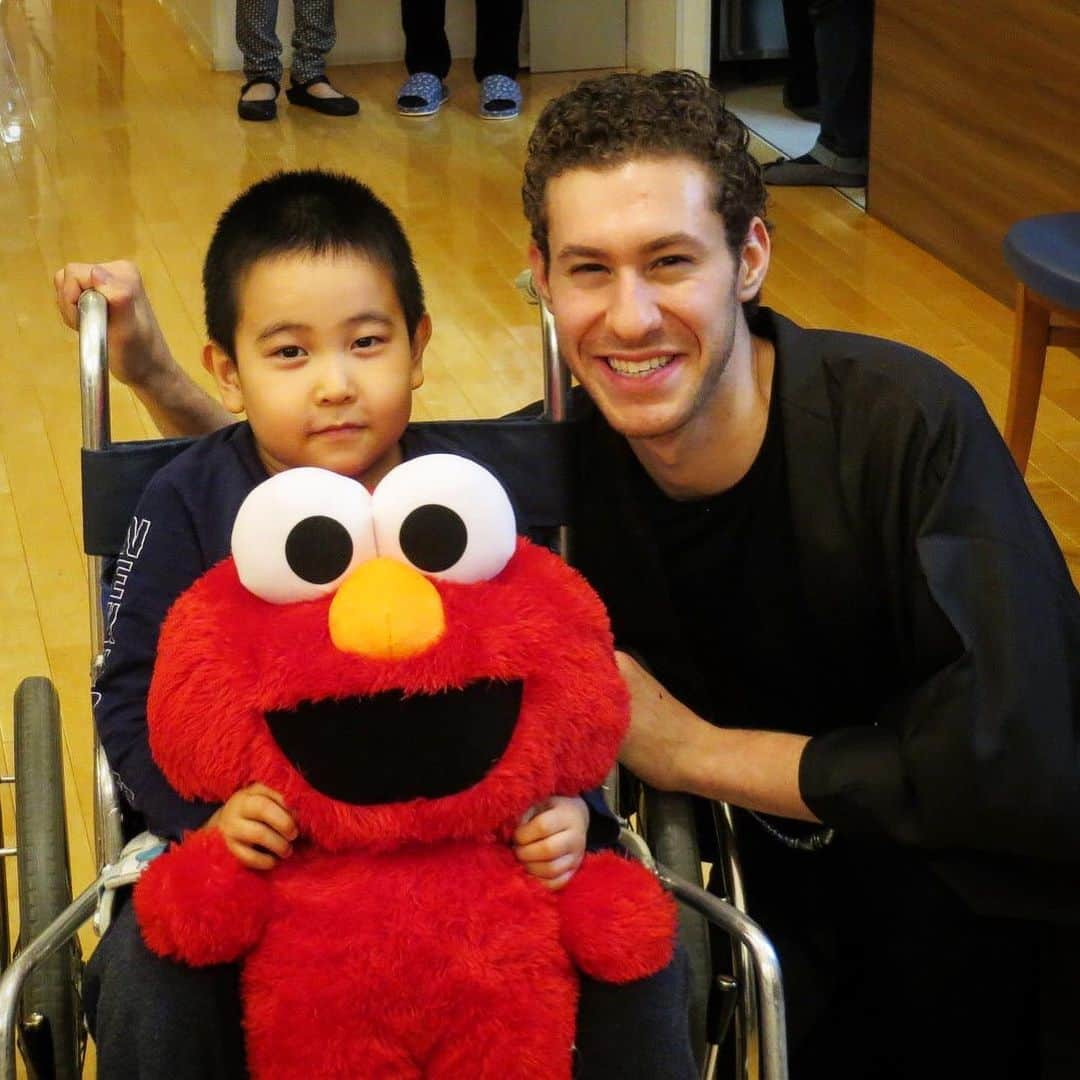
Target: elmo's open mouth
(393,747)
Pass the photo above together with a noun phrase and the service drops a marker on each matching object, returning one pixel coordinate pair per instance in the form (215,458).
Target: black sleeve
(977,747)
(161,558)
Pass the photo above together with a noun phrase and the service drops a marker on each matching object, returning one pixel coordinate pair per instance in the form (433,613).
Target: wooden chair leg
(1031,335)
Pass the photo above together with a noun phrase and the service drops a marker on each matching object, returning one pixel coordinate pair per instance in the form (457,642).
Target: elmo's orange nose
(386,610)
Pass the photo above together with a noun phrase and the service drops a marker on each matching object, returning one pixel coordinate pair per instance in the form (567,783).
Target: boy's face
(324,366)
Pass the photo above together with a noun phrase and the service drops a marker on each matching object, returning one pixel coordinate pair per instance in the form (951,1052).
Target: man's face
(324,366)
(644,289)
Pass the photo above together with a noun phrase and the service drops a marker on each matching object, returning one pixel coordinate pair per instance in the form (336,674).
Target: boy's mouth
(338,429)
(392,747)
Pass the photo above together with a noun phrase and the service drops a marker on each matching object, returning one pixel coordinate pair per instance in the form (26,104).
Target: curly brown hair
(604,122)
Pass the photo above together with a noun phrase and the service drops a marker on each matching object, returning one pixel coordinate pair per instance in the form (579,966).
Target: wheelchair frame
(761,1031)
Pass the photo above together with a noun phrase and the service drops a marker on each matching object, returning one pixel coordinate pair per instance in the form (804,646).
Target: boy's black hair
(308,212)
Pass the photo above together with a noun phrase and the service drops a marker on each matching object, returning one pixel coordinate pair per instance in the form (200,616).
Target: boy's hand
(258,829)
(550,840)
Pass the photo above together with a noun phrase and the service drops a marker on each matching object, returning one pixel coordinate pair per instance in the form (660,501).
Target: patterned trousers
(257,38)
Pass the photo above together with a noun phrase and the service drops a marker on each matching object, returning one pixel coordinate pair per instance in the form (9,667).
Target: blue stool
(1044,254)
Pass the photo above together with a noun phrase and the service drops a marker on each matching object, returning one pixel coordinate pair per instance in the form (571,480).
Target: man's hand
(258,829)
(138,353)
(662,730)
(671,748)
(137,350)
(550,840)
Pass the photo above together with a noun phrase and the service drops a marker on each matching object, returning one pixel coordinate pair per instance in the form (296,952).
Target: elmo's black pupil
(433,538)
(318,549)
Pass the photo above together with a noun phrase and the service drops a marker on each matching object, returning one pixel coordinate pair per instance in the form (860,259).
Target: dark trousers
(313,37)
(843,43)
(156,1020)
(888,974)
(498,27)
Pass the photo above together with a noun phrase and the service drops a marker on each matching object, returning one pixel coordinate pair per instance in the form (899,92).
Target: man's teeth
(638,367)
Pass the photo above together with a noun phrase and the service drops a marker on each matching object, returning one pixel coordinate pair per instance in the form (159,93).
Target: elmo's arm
(196,903)
(618,924)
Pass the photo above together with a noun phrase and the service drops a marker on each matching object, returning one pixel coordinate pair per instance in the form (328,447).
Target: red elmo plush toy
(411,677)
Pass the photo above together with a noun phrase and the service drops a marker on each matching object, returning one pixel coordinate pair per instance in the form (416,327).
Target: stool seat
(1044,253)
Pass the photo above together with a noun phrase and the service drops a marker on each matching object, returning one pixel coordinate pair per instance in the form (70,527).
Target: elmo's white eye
(446,516)
(299,533)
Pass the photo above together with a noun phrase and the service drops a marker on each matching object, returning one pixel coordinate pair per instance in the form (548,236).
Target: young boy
(317,328)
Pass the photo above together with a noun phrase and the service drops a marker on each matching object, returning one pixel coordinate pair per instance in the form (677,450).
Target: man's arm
(673,749)
(138,353)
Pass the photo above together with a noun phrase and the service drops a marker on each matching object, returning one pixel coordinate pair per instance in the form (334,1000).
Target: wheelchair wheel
(667,822)
(50,1023)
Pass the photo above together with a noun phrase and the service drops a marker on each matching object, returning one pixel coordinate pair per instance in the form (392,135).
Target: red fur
(617,925)
(402,939)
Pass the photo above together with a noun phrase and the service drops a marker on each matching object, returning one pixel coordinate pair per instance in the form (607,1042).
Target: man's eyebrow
(580,251)
(379,317)
(677,239)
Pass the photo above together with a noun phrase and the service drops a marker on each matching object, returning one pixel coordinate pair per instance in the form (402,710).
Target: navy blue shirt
(182,526)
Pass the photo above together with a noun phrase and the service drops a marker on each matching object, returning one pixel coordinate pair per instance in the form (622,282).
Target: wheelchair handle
(94,369)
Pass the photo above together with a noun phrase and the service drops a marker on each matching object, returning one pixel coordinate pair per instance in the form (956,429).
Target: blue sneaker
(500,98)
(421,94)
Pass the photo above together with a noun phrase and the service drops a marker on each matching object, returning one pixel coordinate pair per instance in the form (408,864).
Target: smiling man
(859,630)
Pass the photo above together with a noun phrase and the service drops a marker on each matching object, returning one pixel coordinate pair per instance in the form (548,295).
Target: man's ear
(539,274)
(753,260)
(421,337)
(223,367)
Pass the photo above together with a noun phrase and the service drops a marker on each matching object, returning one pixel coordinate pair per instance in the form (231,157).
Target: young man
(859,628)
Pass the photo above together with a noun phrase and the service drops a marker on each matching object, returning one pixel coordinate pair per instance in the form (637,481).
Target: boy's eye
(290,352)
(369,341)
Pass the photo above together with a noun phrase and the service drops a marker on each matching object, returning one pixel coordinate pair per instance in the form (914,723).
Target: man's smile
(639,366)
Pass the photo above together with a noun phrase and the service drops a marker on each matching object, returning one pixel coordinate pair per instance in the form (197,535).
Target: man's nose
(634,312)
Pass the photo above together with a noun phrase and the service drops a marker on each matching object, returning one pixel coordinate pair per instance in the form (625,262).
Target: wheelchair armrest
(56,934)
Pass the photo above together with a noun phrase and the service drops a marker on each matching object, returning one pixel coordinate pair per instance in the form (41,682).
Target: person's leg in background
(801,84)
(152,1018)
(427,57)
(498,30)
(257,40)
(843,41)
(313,37)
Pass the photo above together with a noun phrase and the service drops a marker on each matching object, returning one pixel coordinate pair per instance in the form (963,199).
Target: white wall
(668,34)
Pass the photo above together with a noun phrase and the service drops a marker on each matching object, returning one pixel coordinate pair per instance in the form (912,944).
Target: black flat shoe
(339,106)
(257,110)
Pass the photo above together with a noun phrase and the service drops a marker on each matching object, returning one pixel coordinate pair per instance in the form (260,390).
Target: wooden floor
(117,142)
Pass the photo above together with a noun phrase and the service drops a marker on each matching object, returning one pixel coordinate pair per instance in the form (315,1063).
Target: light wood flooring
(117,142)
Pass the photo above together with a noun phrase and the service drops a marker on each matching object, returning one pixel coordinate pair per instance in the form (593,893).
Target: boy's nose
(633,313)
(387,611)
(335,383)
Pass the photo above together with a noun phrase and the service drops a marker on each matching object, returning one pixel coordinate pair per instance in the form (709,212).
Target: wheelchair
(39,990)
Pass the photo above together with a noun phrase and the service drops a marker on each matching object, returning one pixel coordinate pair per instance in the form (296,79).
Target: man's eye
(368,342)
(667,261)
(587,268)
